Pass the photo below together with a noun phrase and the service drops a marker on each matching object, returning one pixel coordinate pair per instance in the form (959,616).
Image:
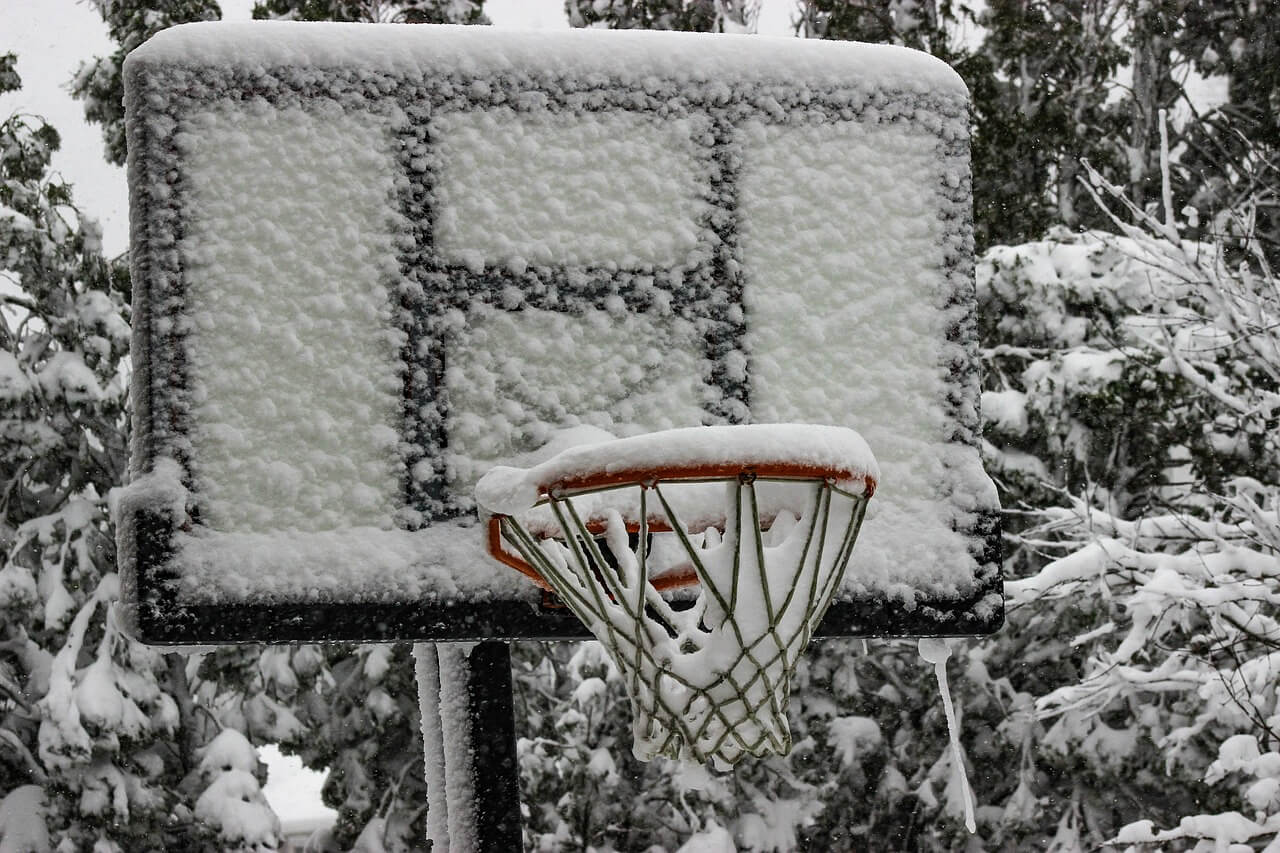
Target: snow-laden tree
(99,82)
(357,717)
(374,11)
(697,16)
(1233,153)
(1174,600)
(684,15)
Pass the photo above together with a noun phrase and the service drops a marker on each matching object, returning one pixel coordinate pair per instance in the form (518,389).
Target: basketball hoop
(747,529)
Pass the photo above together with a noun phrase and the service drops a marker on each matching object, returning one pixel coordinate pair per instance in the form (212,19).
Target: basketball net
(707,665)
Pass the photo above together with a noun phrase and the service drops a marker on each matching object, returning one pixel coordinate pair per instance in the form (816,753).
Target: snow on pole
(473,797)
(427,669)
(459,757)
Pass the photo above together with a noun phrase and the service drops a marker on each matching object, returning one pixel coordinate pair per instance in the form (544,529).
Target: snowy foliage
(865,764)
(83,710)
(21,828)
(232,801)
(353,711)
(728,16)
(1184,585)
(99,82)
(375,11)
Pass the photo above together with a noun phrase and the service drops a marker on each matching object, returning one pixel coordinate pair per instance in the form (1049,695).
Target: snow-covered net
(763,538)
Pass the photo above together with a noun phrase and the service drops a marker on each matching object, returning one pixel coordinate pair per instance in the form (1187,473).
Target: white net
(708,674)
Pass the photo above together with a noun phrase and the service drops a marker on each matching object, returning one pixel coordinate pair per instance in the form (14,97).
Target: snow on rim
(508,490)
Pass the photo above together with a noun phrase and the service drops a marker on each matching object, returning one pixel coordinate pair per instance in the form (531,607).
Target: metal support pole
(493,744)
(466,701)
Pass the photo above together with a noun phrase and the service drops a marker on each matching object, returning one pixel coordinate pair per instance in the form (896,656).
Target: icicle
(936,652)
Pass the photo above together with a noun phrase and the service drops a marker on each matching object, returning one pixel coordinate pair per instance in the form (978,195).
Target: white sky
(294,791)
(51,38)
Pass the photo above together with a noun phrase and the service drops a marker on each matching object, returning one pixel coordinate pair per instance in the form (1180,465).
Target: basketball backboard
(371,262)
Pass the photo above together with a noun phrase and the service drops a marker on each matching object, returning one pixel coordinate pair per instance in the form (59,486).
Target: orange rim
(780,470)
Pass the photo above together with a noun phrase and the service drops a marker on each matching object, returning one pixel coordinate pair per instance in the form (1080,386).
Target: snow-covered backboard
(370,262)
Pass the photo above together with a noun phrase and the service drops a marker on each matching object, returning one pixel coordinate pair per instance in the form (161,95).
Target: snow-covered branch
(1184,582)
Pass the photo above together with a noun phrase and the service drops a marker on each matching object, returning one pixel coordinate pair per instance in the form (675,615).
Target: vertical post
(492,718)
(469,747)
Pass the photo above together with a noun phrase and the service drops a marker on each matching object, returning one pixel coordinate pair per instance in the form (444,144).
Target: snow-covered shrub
(232,802)
(1162,567)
